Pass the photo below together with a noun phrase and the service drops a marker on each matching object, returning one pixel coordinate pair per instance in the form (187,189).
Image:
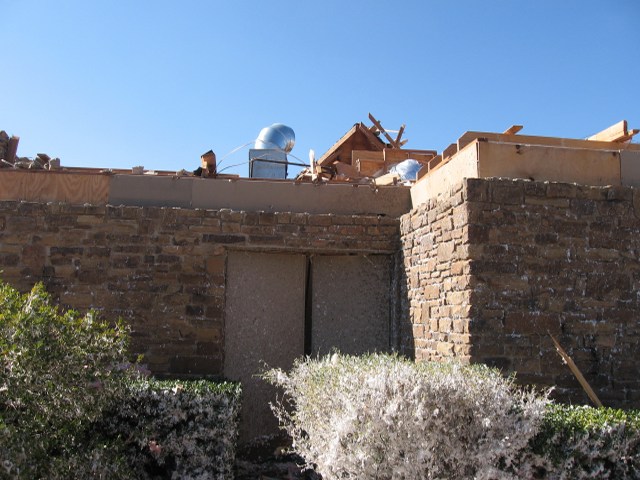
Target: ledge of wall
(485,158)
(80,188)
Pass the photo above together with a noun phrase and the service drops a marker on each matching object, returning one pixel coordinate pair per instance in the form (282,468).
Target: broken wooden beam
(615,133)
(399,136)
(513,129)
(388,179)
(576,372)
(384,132)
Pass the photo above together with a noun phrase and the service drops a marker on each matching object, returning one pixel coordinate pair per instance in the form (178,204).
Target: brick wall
(495,265)
(163,269)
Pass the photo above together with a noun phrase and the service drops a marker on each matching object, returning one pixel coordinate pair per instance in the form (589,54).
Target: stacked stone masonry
(497,265)
(491,268)
(163,269)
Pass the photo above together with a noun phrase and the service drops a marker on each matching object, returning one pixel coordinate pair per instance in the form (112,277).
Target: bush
(57,374)
(172,429)
(578,442)
(379,416)
(72,406)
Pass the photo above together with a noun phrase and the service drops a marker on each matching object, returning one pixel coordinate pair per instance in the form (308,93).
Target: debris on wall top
(373,155)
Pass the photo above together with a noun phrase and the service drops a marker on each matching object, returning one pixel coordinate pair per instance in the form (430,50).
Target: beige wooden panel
(542,163)
(439,181)
(396,155)
(469,137)
(264,324)
(351,303)
(45,186)
(630,168)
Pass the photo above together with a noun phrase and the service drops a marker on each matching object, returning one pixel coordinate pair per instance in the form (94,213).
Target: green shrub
(73,407)
(579,442)
(380,416)
(59,370)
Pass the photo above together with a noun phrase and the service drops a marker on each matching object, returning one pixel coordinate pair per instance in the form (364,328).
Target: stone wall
(437,285)
(163,269)
(491,267)
(495,266)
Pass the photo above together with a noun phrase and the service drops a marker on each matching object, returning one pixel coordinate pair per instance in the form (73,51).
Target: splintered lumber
(513,129)
(577,373)
(384,132)
(615,133)
(388,179)
(400,132)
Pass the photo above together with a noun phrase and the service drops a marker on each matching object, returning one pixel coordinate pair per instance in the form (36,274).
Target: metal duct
(276,136)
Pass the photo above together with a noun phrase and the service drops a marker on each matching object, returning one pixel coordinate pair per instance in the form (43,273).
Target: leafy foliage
(73,406)
(380,416)
(578,442)
(58,371)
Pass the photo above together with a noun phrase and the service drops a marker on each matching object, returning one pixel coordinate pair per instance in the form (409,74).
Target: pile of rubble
(9,159)
(369,155)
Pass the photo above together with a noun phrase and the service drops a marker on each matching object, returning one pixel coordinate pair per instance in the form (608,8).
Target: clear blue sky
(156,83)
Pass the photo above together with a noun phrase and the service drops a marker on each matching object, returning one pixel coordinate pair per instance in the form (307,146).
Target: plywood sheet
(351,303)
(264,324)
(543,163)
(45,186)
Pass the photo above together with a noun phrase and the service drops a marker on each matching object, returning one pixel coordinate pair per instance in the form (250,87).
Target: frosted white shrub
(381,417)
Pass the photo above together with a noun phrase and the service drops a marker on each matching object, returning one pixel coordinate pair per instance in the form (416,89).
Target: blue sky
(157,83)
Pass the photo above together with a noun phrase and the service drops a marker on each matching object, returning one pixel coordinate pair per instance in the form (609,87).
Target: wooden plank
(395,155)
(46,186)
(576,372)
(367,162)
(400,132)
(435,162)
(615,133)
(388,179)
(384,132)
(512,130)
(469,137)
(450,150)
(612,133)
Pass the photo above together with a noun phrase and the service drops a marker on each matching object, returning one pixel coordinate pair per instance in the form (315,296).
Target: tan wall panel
(264,324)
(441,180)
(630,168)
(555,164)
(351,303)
